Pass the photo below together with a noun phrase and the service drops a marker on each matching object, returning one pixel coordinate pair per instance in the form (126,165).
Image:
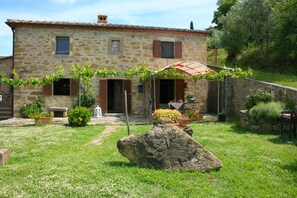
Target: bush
(166,114)
(258,96)
(79,116)
(31,108)
(267,111)
(87,99)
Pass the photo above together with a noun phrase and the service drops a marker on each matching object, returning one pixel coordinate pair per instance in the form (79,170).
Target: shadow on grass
(119,164)
(291,168)
(284,139)
(278,139)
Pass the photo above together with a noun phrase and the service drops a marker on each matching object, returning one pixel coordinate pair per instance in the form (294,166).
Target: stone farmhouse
(40,46)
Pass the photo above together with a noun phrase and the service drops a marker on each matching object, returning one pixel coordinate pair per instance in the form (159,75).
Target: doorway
(166,92)
(114,96)
(111,95)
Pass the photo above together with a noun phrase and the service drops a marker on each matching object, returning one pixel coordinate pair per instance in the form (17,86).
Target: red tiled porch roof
(191,68)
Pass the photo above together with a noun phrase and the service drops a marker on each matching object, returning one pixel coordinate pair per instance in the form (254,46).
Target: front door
(115,99)
(112,96)
(167,90)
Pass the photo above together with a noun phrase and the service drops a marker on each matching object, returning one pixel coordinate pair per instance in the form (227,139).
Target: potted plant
(222,117)
(190,98)
(194,115)
(42,118)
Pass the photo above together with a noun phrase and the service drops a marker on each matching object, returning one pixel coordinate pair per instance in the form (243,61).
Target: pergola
(191,68)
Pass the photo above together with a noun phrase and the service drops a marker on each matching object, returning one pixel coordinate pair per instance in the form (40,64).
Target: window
(167,49)
(62,45)
(62,87)
(115,45)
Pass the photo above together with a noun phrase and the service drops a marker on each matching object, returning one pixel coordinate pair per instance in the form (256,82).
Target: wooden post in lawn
(126,111)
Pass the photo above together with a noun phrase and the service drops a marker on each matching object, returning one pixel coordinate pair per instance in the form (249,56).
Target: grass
(58,161)
(276,77)
(285,78)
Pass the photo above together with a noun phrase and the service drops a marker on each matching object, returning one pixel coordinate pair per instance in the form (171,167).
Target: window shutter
(73,87)
(103,95)
(178,49)
(157,49)
(180,89)
(47,90)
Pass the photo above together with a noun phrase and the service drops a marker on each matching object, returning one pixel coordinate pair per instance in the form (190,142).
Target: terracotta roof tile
(191,68)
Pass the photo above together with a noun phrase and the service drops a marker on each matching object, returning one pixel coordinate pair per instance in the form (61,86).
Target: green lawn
(286,78)
(58,161)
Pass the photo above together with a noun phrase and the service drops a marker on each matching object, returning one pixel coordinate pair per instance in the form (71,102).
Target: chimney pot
(102,19)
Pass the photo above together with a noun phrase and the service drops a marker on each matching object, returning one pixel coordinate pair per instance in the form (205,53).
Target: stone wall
(263,125)
(5,90)
(35,56)
(238,89)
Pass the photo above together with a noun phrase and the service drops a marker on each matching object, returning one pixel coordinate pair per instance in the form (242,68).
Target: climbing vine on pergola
(87,72)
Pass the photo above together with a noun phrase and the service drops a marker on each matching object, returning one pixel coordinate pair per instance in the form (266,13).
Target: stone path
(105,120)
(109,129)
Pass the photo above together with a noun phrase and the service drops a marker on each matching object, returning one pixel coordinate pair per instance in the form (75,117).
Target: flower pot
(222,118)
(43,121)
(183,121)
(198,119)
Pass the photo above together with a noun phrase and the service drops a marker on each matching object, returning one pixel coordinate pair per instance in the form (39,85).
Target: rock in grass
(167,147)
(3,156)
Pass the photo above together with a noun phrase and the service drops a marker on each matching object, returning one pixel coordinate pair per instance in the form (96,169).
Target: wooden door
(180,89)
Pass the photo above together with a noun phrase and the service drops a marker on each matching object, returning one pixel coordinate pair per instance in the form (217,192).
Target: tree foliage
(223,8)
(262,32)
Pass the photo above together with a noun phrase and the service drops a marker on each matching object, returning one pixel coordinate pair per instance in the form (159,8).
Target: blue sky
(164,13)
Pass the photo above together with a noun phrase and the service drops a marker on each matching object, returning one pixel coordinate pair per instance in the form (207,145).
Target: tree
(223,8)
(247,23)
(286,31)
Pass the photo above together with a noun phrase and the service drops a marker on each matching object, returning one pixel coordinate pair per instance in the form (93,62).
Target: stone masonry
(34,55)
(5,90)
(3,156)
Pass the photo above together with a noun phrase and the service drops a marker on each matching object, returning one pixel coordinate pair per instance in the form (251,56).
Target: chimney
(102,19)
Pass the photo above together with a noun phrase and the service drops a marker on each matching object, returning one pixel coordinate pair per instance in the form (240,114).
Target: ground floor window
(62,87)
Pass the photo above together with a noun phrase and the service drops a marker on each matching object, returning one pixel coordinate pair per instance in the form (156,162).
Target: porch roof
(191,68)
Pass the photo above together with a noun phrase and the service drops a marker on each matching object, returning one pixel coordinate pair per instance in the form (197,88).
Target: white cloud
(64,1)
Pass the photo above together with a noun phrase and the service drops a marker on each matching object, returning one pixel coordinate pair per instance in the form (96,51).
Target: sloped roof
(191,68)
(14,22)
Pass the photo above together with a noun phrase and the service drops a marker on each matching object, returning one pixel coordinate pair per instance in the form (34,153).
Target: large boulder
(167,147)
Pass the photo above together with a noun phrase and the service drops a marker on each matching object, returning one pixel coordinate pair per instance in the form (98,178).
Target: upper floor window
(166,49)
(115,45)
(62,45)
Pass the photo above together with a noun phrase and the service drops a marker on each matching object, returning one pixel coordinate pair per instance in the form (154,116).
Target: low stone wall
(263,125)
(238,89)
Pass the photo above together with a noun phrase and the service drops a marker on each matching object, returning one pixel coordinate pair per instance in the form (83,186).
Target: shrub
(79,116)
(167,114)
(87,99)
(34,107)
(267,111)
(258,96)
